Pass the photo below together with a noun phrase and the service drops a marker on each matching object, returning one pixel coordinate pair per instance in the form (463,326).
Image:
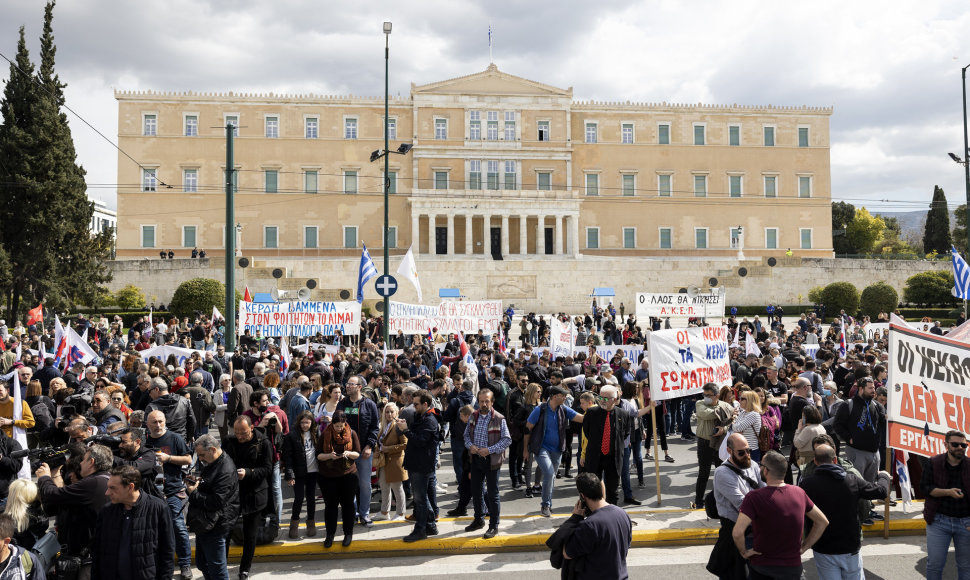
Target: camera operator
(177,409)
(213,506)
(76,505)
(104,413)
(173,453)
(131,451)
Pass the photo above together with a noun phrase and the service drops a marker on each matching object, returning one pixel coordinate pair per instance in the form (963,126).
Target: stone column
(432,246)
(415,231)
(574,231)
(451,233)
(523,235)
(541,235)
(557,235)
(469,248)
(505,235)
(487,235)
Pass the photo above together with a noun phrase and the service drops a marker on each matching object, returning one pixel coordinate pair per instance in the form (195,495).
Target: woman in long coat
(392,474)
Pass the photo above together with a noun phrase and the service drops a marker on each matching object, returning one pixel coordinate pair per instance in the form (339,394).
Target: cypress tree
(936,236)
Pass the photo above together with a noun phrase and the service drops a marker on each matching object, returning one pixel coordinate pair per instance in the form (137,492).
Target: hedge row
(790,310)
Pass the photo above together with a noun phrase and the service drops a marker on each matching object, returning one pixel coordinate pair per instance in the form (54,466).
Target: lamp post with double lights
(374,156)
(965,159)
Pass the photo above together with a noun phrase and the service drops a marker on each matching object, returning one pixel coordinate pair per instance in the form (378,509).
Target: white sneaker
(380,517)
(441,488)
(396,517)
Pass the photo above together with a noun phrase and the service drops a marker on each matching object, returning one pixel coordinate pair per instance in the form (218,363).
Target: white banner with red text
(448,317)
(683,360)
(680,305)
(301,319)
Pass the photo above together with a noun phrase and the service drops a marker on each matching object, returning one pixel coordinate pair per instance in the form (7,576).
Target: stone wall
(547,285)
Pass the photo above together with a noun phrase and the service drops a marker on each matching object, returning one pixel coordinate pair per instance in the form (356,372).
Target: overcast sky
(891,70)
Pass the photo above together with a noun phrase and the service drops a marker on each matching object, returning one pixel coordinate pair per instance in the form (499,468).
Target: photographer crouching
(76,504)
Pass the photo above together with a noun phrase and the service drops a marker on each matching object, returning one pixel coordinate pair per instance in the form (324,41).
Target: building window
(148,180)
(665,238)
(592,184)
(700,238)
(190,180)
(509,126)
(806,238)
(191,125)
(350,236)
(350,128)
(510,175)
(700,186)
(592,238)
(543,181)
(441,180)
(188,237)
(475,126)
(771,186)
(734,135)
(350,181)
(311,128)
(804,186)
(272,127)
(629,238)
(492,126)
(235,180)
(492,174)
(543,130)
(272,178)
(734,182)
(663,134)
(310,182)
(148,236)
(234,121)
(391,129)
(391,236)
(591,132)
(270,237)
(441,129)
(771,238)
(664,185)
(149,125)
(474,174)
(310,237)
(803,136)
(629,184)
(392,182)
(699,134)
(769,136)
(626,133)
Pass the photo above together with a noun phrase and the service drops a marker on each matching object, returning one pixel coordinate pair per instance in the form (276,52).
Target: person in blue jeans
(364,419)
(419,460)
(545,439)
(946,486)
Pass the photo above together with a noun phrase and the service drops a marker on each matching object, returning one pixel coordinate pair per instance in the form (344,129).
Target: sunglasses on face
(742,452)
(604,399)
(955,444)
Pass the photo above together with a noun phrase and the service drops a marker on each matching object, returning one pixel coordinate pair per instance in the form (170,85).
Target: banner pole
(889,494)
(656,450)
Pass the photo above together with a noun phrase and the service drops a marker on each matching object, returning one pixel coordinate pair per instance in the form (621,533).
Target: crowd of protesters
(222,432)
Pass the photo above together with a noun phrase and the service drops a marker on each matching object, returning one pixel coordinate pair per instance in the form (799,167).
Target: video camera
(56,457)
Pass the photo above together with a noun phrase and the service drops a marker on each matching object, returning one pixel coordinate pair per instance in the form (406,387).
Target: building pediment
(491,81)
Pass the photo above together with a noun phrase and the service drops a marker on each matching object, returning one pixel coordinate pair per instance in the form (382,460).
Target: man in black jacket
(77,505)
(836,492)
(252,455)
(134,537)
(858,423)
(419,460)
(213,506)
(177,409)
(9,467)
(133,453)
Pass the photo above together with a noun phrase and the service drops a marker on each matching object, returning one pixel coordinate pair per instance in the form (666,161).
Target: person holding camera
(137,523)
(213,507)
(77,505)
(173,453)
(602,533)
(252,455)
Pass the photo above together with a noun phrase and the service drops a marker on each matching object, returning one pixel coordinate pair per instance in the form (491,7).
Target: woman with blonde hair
(529,402)
(23,506)
(747,421)
(391,475)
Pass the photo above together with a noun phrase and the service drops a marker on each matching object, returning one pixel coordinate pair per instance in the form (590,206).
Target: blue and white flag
(367,271)
(961,275)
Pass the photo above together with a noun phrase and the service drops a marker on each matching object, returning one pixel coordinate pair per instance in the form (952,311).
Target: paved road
(897,558)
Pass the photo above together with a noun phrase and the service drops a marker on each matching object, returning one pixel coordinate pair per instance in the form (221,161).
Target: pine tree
(936,236)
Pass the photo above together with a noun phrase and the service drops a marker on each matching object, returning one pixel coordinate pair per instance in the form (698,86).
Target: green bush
(839,296)
(933,313)
(933,288)
(129,298)
(200,295)
(878,297)
(815,295)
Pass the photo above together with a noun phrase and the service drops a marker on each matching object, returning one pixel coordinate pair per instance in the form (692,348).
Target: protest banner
(927,390)
(162,353)
(870,330)
(448,317)
(328,348)
(683,360)
(661,305)
(563,337)
(300,318)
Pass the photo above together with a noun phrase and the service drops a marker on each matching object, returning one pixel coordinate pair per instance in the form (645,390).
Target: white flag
(751,346)
(736,343)
(410,272)
(18,432)
(216,314)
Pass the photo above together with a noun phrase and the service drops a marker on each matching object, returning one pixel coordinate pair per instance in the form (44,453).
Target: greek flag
(961,275)
(367,271)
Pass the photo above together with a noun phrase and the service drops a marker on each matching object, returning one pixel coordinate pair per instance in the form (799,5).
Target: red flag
(36,315)
(247,297)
